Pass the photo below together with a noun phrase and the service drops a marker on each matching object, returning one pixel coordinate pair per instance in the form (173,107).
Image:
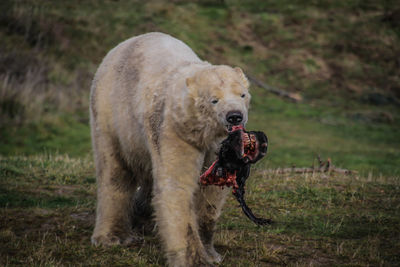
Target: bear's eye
(243,95)
(214,101)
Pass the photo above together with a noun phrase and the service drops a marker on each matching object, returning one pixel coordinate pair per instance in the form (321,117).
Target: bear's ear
(190,84)
(242,77)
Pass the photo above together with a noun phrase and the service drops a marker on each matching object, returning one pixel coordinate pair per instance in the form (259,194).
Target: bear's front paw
(112,239)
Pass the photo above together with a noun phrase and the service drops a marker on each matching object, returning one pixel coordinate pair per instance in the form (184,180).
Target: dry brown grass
(27,97)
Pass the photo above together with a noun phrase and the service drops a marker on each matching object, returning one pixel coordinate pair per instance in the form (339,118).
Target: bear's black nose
(234,117)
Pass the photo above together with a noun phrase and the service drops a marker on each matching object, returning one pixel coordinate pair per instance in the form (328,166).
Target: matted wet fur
(158,114)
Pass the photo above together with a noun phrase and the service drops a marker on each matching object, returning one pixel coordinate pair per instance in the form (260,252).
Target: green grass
(298,133)
(339,55)
(62,133)
(47,215)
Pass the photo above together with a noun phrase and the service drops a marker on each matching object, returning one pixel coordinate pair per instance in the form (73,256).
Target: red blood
(249,150)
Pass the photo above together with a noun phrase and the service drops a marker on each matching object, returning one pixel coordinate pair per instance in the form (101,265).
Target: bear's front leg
(209,203)
(176,172)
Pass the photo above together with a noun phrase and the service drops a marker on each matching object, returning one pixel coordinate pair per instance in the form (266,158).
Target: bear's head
(220,98)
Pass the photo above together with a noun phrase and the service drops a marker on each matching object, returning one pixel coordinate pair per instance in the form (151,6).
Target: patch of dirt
(306,64)
(373,116)
(58,189)
(65,189)
(86,217)
(34,221)
(241,31)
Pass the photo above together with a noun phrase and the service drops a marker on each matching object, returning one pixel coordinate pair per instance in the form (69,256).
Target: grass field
(47,217)
(340,56)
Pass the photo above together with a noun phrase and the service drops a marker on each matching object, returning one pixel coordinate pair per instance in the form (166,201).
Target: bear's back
(153,53)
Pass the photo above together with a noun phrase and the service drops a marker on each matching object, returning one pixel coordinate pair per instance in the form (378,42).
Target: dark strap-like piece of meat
(232,168)
(239,194)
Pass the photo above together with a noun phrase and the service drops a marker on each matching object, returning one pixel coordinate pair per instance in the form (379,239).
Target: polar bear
(158,114)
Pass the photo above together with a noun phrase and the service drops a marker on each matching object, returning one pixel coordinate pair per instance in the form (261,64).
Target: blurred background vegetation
(342,57)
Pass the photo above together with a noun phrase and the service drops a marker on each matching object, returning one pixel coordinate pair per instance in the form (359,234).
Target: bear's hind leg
(116,187)
(143,210)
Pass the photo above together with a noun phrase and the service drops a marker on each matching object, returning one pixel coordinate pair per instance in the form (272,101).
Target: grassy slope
(338,55)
